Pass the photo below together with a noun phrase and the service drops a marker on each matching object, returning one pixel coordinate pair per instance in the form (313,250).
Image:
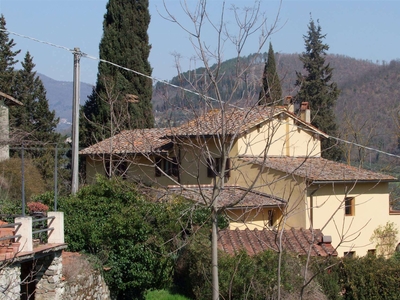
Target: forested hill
(346,70)
(366,110)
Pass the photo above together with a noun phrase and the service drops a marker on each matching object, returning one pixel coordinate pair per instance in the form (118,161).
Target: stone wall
(48,273)
(87,287)
(82,280)
(9,281)
(49,278)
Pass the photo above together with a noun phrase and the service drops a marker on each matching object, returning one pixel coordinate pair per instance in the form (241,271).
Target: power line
(37,40)
(173,85)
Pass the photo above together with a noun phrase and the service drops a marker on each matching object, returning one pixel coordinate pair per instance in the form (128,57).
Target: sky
(46,28)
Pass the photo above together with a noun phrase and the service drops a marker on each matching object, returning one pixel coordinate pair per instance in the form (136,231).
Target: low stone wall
(48,270)
(9,281)
(82,281)
(52,276)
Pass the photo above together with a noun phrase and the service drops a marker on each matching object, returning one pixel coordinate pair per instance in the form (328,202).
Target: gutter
(352,181)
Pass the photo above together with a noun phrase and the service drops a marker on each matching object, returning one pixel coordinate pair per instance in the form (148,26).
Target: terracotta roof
(319,169)
(235,121)
(230,196)
(131,141)
(299,241)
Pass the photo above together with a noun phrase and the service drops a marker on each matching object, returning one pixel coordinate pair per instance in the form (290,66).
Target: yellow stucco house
(264,168)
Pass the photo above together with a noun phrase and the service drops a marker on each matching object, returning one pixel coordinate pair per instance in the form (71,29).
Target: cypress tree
(271,92)
(318,90)
(125,42)
(7,58)
(34,118)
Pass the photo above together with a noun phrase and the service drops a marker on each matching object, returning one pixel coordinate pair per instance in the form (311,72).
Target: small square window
(350,254)
(371,252)
(349,206)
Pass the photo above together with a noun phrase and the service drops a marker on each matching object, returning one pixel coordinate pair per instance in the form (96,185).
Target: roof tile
(230,196)
(300,241)
(318,169)
(131,141)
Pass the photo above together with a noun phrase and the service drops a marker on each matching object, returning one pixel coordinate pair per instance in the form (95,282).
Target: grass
(163,295)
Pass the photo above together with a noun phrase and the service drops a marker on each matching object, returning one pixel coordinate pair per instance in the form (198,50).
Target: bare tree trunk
(214,252)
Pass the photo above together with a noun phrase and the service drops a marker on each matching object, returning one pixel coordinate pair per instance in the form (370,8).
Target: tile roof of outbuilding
(300,241)
(131,141)
(319,169)
(230,196)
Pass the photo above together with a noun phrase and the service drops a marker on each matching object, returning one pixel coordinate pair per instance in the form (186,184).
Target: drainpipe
(311,207)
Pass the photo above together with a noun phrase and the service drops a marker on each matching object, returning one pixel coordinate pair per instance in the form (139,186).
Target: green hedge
(363,278)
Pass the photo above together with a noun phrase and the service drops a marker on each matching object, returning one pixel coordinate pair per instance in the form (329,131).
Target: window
(270,218)
(119,168)
(350,254)
(371,252)
(214,167)
(168,165)
(349,206)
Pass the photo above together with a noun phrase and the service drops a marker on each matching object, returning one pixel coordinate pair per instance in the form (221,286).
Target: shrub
(131,236)
(240,276)
(385,238)
(11,181)
(366,277)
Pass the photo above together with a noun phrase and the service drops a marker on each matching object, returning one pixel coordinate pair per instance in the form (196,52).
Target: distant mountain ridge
(60,94)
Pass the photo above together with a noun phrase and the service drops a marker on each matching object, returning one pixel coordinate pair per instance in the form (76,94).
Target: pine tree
(125,42)
(34,122)
(7,58)
(272,91)
(34,118)
(318,90)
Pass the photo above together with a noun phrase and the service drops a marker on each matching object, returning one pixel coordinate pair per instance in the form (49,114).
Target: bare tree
(230,150)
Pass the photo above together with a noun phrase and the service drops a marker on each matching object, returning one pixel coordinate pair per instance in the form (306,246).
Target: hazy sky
(361,29)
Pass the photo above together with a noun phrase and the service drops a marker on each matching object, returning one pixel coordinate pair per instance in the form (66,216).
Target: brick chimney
(305,113)
(289,104)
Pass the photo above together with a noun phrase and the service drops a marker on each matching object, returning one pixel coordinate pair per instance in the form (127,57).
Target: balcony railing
(26,232)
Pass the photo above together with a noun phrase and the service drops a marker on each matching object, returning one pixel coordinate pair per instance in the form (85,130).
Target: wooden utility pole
(75,122)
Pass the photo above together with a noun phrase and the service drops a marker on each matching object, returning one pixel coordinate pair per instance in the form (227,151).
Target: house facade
(262,166)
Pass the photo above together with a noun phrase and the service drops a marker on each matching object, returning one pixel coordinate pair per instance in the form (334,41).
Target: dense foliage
(11,184)
(121,98)
(129,234)
(136,240)
(240,276)
(316,88)
(271,92)
(366,277)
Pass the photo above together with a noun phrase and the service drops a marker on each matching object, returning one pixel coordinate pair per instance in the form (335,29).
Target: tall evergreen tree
(125,42)
(34,123)
(34,118)
(318,90)
(7,58)
(271,92)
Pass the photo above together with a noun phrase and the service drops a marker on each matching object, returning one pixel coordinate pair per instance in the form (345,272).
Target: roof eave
(351,181)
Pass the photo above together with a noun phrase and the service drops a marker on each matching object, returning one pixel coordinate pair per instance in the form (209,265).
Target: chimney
(289,104)
(305,113)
